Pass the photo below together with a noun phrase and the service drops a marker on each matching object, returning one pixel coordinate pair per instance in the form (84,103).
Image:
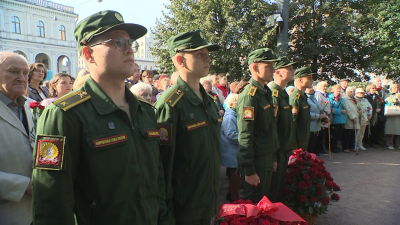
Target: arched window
(16,25)
(40,29)
(62,32)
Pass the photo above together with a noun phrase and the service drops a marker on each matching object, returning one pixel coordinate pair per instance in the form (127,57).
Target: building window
(16,25)
(62,32)
(40,29)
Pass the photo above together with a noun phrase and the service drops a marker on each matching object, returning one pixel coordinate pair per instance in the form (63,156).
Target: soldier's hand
(29,188)
(275,166)
(253,180)
(355,120)
(221,112)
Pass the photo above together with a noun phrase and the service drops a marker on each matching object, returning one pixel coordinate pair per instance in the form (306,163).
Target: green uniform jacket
(284,119)
(190,150)
(301,117)
(107,169)
(258,139)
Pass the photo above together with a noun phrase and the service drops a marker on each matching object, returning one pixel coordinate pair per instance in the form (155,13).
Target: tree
(323,36)
(238,26)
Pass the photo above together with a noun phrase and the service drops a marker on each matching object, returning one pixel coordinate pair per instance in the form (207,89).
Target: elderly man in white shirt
(17,137)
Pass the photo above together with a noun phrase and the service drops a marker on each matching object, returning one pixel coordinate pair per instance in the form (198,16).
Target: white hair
(350,89)
(205,79)
(5,55)
(135,89)
(231,100)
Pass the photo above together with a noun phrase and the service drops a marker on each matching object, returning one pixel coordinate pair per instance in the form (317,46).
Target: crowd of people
(117,145)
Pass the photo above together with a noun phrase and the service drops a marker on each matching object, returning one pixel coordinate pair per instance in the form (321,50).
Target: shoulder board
(252,90)
(297,95)
(143,100)
(174,97)
(275,93)
(72,100)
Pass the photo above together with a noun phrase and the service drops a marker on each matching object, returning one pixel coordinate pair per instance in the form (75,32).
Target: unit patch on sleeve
(295,110)
(50,152)
(101,142)
(248,113)
(196,125)
(165,133)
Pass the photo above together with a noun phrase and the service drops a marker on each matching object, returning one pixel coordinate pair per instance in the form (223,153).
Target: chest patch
(153,133)
(50,152)
(267,106)
(196,125)
(110,140)
(248,113)
(287,107)
(306,107)
(165,133)
(295,110)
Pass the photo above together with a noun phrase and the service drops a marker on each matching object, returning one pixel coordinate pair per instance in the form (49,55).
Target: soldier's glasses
(120,43)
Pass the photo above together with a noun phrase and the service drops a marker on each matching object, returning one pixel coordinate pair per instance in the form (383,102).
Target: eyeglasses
(120,43)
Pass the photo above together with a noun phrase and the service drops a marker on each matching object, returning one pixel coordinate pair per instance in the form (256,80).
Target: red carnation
(328,184)
(295,171)
(306,176)
(303,198)
(325,200)
(288,175)
(248,201)
(320,161)
(335,197)
(309,183)
(313,175)
(320,175)
(336,188)
(302,185)
(300,161)
(33,105)
(313,199)
(235,202)
(286,191)
(41,106)
(307,156)
(329,178)
(318,186)
(313,170)
(327,174)
(223,223)
(319,192)
(300,167)
(241,201)
(289,181)
(313,164)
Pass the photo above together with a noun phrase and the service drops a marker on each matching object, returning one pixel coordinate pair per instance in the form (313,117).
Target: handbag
(392,110)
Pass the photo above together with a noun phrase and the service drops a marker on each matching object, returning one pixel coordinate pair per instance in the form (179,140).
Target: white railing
(50,4)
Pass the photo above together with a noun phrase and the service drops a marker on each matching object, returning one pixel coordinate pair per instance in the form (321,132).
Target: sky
(143,12)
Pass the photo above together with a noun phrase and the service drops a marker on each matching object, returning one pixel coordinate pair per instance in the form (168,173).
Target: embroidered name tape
(248,113)
(153,133)
(267,106)
(110,140)
(287,107)
(50,152)
(196,125)
(306,107)
(165,133)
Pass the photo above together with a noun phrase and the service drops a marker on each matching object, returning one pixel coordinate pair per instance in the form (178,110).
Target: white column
(74,68)
(29,24)
(2,17)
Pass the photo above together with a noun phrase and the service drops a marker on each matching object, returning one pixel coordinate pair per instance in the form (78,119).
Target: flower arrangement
(379,104)
(309,186)
(37,110)
(263,213)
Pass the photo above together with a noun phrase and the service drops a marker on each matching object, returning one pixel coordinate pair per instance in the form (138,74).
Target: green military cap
(101,22)
(303,72)
(189,41)
(345,79)
(283,63)
(262,55)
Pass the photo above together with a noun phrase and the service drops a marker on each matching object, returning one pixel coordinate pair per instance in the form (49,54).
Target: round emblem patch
(118,16)
(49,151)
(164,134)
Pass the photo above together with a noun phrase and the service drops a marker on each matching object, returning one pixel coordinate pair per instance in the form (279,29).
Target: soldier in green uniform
(300,109)
(190,133)
(284,73)
(97,153)
(258,139)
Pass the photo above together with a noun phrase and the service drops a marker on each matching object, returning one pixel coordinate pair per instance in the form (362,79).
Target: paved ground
(370,185)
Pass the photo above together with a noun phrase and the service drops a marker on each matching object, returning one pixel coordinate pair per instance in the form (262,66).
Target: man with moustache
(190,127)
(258,139)
(284,73)
(303,78)
(97,156)
(17,137)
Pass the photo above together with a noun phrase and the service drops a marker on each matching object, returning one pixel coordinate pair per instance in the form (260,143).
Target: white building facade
(41,31)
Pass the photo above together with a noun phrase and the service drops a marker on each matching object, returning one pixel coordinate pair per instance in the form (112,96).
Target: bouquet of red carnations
(309,186)
(263,213)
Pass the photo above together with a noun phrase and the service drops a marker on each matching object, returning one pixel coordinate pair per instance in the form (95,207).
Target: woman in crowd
(229,147)
(372,136)
(37,73)
(147,78)
(366,115)
(83,74)
(142,90)
(289,90)
(207,85)
(392,126)
(60,84)
(352,124)
(322,97)
(317,114)
(163,84)
(338,109)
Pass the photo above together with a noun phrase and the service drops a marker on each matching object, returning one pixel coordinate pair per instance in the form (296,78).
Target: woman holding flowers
(392,126)
(316,114)
(366,115)
(338,109)
(322,97)
(372,136)
(352,124)
(60,84)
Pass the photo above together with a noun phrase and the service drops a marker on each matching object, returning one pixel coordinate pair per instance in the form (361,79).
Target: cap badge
(119,17)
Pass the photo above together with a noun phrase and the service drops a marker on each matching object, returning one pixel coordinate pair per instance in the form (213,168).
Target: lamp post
(282,43)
